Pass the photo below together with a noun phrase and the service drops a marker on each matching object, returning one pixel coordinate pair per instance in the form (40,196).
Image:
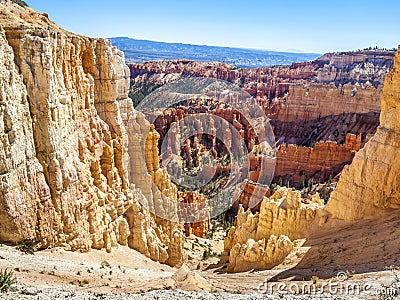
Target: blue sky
(311,26)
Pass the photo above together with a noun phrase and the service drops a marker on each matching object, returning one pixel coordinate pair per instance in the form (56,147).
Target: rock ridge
(65,148)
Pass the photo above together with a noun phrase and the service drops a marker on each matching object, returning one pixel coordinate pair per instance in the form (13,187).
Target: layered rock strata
(368,187)
(323,161)
(372,182)
(295,164)
(65,147)
(310,104)
(200,227)
(300,96)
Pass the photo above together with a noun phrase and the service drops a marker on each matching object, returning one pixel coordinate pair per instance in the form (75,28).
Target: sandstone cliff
(372,182)
(64,177)
(336,94)
(368,187)
(325,160)
(294,163)
(311,106)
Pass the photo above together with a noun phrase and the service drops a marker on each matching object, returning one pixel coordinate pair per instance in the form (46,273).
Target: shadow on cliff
(369,245)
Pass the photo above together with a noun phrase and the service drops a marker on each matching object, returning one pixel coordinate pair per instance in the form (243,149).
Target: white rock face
(64,107)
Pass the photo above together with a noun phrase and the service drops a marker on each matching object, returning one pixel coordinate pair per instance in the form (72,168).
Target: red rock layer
(299,98)
(250,197)
(308,103)
(197,228)
(296,165)
(325,160)
(164,121)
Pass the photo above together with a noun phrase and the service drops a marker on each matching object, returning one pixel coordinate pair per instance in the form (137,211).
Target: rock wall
(22,177)
(317,100)
(308,103)
(323,161)
(64,154)
(330,128)
(199,228)
(250,197)
(325,99)
(263,254)
(294,163)
(274,82)
(372,182)
(352,67)
(367,187)
(155,192)
(164,121)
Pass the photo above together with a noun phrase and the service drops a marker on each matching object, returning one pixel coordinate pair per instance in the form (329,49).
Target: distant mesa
(139,51)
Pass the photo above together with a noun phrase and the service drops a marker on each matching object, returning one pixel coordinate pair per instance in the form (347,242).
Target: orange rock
(197,228)
(371,183)
(324,160)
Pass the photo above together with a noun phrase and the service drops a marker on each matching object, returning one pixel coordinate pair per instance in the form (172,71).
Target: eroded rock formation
(325,160)
(260,255)
(372,182)
(63,160)
(367,187)
(308,103)
(294,163)
(200,227)
(266,236)
(305,100)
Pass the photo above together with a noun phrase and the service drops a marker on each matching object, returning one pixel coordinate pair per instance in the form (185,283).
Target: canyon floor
(127,274)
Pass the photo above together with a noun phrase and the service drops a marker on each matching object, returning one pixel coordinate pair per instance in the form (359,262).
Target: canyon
(323,100)
(322,112)
(367,187)
(301,97)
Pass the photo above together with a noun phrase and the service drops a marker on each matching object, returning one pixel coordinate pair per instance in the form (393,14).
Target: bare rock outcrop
(366,188)
(200,227)
(325,160)
(63,159)
(22,177)
(294,164)
(372,182)
(268,234)
(188,280)
(307,102)
(312,101)
(263,254)
(311,105)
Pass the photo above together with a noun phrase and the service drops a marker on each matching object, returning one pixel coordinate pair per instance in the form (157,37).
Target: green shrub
(314,279)
(27,246)
(20,3)
(206,254)
(6,280)
(139,91)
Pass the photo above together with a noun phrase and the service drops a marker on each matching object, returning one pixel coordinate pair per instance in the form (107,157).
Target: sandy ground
(122,270)
(362,251)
